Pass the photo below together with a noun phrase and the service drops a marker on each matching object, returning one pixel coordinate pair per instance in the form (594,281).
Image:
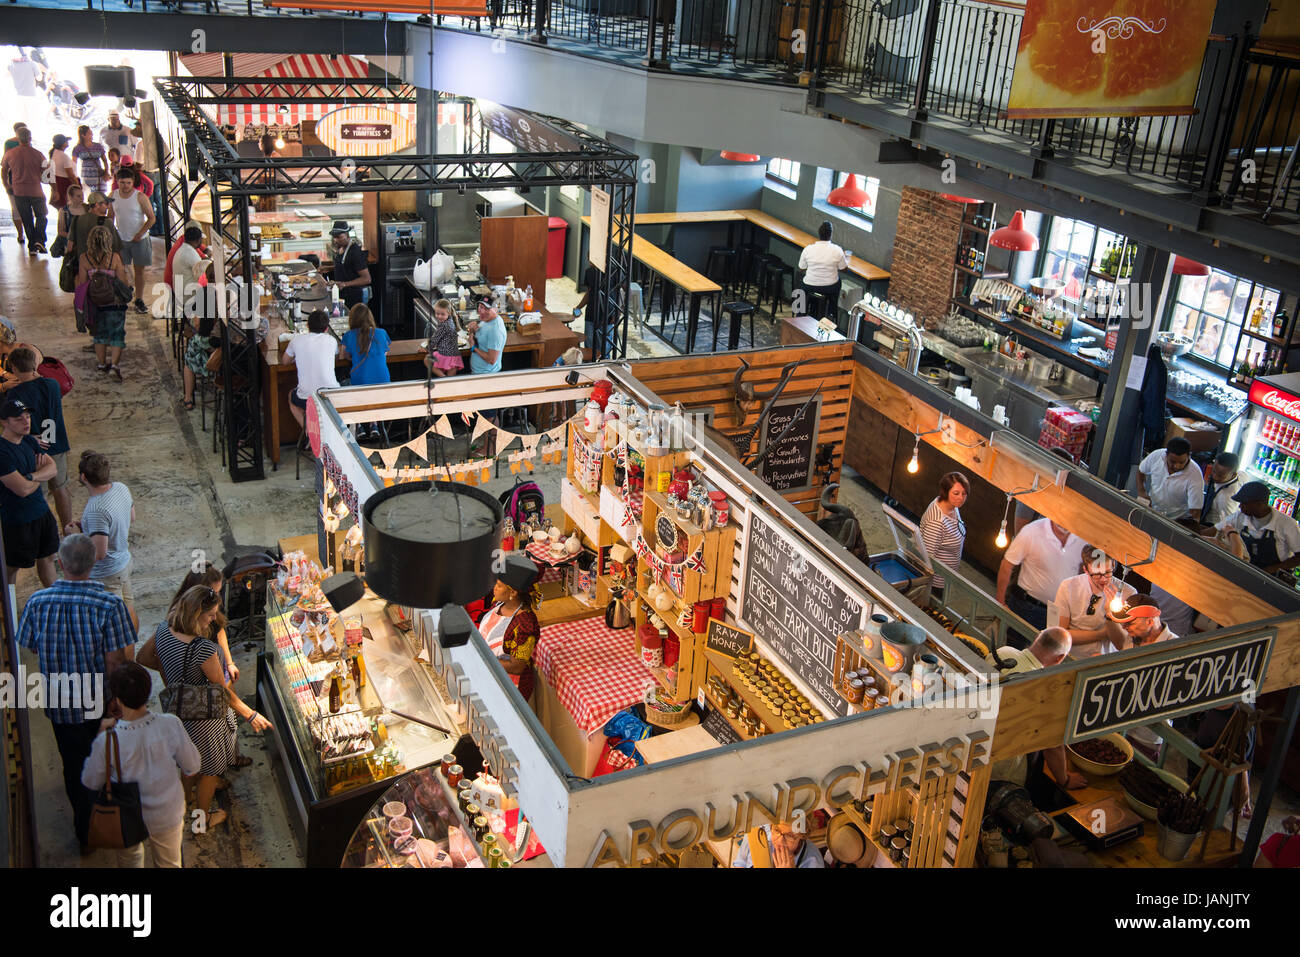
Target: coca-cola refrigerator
(1271,446)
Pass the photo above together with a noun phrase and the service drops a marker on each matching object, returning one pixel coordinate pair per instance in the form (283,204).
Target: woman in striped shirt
(942,529)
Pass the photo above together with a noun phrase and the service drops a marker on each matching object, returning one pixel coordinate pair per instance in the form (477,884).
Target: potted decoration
(1179,822)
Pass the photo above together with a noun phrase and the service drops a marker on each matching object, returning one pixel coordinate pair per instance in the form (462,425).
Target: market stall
(732,608)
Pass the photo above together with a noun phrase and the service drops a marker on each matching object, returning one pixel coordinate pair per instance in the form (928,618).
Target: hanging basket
(426,550)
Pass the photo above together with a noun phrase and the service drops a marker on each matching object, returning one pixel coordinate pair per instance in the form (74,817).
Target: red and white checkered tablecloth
(593,669)
(540,552)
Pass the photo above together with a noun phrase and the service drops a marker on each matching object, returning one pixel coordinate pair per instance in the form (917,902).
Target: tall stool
(721,266)
(818,304)
(735,312)
(746,265)
(773,287)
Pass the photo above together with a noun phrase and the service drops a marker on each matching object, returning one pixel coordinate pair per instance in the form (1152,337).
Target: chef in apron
(1221,483)
(1271,539)
(510,626)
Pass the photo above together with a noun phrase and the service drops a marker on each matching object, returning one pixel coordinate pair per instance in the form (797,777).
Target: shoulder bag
(116,817)
(194,702)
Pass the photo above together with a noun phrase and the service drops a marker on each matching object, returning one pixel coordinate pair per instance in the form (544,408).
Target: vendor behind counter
(351,271)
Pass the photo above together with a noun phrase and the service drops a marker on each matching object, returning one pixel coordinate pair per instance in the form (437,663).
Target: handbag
(57,249)
(193,702)
(68,272)
(116,816)
(52,368)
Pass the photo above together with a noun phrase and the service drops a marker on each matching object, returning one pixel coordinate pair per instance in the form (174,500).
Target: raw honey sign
(1166,683)
(1109,57)
(728,640)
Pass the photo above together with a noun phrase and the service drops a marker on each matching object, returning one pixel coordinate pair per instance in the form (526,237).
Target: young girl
(444,352)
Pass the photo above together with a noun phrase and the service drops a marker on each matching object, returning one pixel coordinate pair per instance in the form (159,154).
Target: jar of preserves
(853,691)
(882,701)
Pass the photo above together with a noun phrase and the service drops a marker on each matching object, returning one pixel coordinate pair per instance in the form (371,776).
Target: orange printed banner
(1109,58)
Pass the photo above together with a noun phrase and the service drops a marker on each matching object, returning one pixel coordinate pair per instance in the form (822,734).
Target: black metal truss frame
(231,179)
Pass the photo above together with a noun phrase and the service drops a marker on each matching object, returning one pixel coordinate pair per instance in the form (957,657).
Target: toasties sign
(365,131)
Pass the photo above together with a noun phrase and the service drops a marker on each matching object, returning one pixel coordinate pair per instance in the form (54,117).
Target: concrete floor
(188,509)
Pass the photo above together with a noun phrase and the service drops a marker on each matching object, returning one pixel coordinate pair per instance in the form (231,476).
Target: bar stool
(735,312)
(748,274)
(818,303)
(721,266)
(301,450)
(774,274)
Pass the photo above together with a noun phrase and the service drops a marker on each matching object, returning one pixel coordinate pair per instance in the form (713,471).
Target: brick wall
(925,247)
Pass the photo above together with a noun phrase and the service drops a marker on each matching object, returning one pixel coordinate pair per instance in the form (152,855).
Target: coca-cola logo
(1282,403)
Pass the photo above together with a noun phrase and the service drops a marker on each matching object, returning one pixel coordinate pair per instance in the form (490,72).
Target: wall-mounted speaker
(116,81)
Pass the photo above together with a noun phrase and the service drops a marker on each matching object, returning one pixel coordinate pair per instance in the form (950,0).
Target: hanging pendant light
(1189,267)
(850,194)
(959,199)
(1014,236)
(739,157)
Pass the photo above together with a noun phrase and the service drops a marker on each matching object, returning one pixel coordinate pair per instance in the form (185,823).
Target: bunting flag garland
(389,456)
(694,561)
(443,427)
(482,427)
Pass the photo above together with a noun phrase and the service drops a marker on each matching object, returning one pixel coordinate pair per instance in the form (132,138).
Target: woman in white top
(821,262)
(154,751)
(942,529)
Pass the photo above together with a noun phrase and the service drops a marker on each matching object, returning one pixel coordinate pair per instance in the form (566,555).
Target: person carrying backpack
(103,276)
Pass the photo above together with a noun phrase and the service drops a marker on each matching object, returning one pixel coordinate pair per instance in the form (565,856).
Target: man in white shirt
(1047,554)
(315,352)
(1082,601)
(118,137)
(822,262)
(1271,539)
(1221,483)
(1050,647)
(1174,489)
(183,273)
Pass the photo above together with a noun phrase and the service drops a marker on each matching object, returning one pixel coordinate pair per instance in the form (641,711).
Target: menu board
(530,133)
(728,639)
(794,606)
(790,464)
(715,722)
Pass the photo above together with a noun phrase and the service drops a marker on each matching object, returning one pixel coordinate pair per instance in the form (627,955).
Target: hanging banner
(599,227)
(482,427)
(389,456)
(443,427)
(1080,58)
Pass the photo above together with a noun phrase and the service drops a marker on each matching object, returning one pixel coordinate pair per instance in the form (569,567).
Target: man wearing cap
(351,272)
(1140,619)
(1082,601)
(1221,483)
(1271,539)
(43,399)
(1047,554)
(116,136)
(31,535)
(1164,477)
(1050,647)
(21,171)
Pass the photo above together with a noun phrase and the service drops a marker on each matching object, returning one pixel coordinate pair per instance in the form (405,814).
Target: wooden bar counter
(281,376)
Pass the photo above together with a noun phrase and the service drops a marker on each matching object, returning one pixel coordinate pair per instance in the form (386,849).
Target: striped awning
(298,66)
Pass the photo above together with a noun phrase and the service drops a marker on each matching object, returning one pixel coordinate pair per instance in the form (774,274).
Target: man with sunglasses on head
(1082,601)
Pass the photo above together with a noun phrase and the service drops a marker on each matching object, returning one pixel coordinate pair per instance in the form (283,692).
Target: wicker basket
(663,714)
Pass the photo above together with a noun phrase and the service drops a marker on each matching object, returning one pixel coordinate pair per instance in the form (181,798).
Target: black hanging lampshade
(430,544)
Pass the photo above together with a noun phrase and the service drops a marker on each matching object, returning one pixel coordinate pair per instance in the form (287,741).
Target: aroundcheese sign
(1171,682)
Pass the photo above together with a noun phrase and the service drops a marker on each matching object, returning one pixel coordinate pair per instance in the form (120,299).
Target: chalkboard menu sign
(728,640)
(795,607)
(530,133)
(790,464)
(715,722)
(1172,682)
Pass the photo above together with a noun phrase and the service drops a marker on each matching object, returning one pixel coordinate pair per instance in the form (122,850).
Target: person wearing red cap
(1140,618)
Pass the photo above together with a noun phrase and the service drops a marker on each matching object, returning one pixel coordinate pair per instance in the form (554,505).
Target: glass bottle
(1256,317)
(1279,321)
(336,693)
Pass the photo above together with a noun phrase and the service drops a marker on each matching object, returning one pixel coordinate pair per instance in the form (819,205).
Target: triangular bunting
(443,427)
(482,427)
(389,456)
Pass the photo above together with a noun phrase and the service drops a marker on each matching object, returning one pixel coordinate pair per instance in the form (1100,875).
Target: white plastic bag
(434,271)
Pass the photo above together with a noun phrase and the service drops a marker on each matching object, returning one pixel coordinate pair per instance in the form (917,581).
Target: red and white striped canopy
(304,66)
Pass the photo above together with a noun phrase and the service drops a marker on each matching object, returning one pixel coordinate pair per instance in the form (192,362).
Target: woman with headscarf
(510,625)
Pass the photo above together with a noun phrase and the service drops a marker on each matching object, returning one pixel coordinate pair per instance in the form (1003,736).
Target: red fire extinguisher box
(557,231)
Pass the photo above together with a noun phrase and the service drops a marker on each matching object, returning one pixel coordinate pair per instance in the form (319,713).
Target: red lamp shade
(739,157)
(1189,267)
(959,199)
(1014,235)
(850,194)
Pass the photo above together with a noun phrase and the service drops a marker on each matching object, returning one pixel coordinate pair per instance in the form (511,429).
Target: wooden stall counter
(798,330)
(281,375)
(1141,851)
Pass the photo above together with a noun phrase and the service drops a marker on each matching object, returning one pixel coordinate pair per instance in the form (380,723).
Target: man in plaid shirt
(80,631)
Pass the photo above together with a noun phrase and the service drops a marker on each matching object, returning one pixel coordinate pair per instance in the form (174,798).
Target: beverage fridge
(1271,446)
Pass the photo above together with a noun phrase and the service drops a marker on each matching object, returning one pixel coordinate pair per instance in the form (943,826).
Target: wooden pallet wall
(705,382)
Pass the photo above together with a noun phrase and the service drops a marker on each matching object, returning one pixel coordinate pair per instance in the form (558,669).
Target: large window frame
(1072,250)
(783,171)
(1213,310)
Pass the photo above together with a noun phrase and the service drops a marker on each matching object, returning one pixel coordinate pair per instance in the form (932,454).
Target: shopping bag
(116,816)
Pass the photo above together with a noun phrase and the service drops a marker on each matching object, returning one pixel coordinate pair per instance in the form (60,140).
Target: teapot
(592,416)
(663,601)
(572,545)
(616,612)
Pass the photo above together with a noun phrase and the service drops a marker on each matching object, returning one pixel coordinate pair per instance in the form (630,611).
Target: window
(783,171)
(1069,254)
(870,185)
(1211,309)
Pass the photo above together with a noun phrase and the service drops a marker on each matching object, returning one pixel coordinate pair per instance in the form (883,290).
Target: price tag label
(699,699)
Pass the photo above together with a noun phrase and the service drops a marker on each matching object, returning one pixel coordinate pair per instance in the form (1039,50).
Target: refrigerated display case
(1271,446)
(342,734)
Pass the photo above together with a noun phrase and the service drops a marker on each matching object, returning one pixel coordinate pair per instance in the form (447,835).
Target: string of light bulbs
(914,464)
(1001,541)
